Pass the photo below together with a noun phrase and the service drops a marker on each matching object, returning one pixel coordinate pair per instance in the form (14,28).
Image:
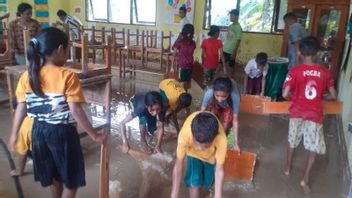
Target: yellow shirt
(173,89)
(216,153)
(60,86)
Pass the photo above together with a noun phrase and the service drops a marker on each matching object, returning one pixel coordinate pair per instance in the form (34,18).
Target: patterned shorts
(312,133)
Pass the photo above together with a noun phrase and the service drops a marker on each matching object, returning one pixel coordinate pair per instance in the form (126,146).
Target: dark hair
(185,100)
(183,9)
(309,46)
(234,12)
(61,13)
(205,127)
(290,15)
(187,29)
(222,84)
(14,102)
(213,30)
(47,41)
(261,58)
(153,98)
(22,7)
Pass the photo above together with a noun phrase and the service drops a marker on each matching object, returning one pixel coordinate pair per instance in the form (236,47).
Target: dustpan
(239,167)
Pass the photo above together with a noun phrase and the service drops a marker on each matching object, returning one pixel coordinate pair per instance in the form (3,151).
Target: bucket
(275,78)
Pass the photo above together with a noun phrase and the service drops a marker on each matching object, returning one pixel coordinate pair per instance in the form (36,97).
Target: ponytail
(47,41)
(35,63)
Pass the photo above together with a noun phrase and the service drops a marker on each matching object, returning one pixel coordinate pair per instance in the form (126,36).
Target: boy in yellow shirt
(175,98)
(203,141)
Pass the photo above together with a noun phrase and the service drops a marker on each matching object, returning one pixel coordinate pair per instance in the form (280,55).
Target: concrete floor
(264,135)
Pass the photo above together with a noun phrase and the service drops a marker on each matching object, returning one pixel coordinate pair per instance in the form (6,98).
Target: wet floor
(264,135)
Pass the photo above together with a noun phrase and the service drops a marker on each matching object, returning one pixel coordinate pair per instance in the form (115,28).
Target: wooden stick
(330,107)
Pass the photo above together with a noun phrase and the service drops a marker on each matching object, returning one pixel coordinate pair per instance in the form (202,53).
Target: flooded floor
(264,135)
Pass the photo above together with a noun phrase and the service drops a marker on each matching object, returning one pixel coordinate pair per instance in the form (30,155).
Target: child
(185,48)
(175,98)
(256,70)
(52,96)
(25,21)
(307,84)
(147,106)
(211,48)
(223,99)
(233,40)
(23,144)
(202,141)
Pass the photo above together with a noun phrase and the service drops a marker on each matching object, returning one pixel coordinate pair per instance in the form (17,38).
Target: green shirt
(234,34)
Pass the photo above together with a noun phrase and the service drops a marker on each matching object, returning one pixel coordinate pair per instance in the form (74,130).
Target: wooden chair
(95,37)
(118,43)
(161,50)
(6,58)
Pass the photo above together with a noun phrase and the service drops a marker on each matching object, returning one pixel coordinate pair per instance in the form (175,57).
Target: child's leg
(295,134)
(21,164)
(290,152)
(305,181)
(69,193)
(56,189)
(194,192)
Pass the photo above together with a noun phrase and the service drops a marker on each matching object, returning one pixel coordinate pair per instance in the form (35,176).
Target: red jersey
(185,48)
(308,85)
(211,48)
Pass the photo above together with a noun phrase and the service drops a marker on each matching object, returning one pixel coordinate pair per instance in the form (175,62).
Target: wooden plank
(330,107)
(239,167)
(252,103)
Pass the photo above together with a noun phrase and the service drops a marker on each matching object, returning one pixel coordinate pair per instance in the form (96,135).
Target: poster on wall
(171,10)
(42,12)
(3,7)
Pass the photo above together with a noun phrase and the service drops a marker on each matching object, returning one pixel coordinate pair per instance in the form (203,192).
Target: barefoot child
(148,107)
(52,96)
(211,48)
(202,141)
(306,85)
(175,98)
(223,100)
(185,48)
(256,70)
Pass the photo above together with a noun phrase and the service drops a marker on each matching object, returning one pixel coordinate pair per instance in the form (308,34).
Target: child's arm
(332,94)
(174,117)
(207,96)
(219,178)
(203,56)
(286,92)
(80,116)
(245,83)
(234,54)
(176,177)
(160,138)
(125,146)
(236,146)
(20,113)
(173,67)
(224,64)
(263,86)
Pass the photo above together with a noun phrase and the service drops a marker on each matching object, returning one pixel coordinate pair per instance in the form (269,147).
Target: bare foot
(287,171)
(145,148)
(305,187)
(15,173)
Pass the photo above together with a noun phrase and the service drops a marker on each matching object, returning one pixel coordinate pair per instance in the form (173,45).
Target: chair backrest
(118,37)
(139,37)
(165,39)
(151,38)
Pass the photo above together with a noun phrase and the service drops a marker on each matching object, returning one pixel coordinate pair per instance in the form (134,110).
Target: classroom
(175,98)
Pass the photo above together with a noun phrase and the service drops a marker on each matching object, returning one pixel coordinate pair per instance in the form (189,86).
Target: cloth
(185,75)
(311,132)
(211,48)
(145,119)
(308,85)
(253,71)
(140,110)
(234,34)
(228,58)
(74,26)
(185,49)
(24,138)
(224,114)
(172,89)
(235,98)
(296,32)
(16,31)
(199,173)
(254,85)
(60,85)
(208,75)
(216,153)
(57,155)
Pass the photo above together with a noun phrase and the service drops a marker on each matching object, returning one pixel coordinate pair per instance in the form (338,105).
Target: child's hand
(100,138)
(158,149)
(172,70)
(124,148)
(236,147)
(262,93)
(12,144)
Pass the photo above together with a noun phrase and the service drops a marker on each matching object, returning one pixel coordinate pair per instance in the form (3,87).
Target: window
(255,15)
(139,12)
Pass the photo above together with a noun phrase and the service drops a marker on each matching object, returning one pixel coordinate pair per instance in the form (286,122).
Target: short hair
(61,13)
(261,58)
(234,12)
(205,127)
(183,9)
(290,15)
(309,46)
(213,30)
(153,98)
(188,29)
(222,84)
(23,7)
(185,100)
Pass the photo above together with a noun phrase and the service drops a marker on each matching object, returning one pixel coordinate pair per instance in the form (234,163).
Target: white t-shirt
(183,22)
(252,70)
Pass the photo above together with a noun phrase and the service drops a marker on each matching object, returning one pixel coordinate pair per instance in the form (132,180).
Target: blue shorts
(199,173)
(185,75)
(150,121)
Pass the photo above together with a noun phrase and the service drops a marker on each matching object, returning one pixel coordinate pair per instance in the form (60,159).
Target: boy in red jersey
(306,85)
